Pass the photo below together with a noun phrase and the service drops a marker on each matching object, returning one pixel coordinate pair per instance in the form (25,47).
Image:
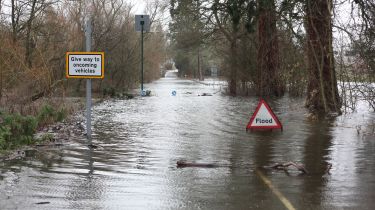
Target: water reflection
(316,157)
(86,190)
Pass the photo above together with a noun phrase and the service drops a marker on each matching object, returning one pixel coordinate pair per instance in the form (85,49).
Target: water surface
(141,139)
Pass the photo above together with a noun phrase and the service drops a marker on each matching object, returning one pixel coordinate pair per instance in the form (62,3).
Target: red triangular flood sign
(263,118)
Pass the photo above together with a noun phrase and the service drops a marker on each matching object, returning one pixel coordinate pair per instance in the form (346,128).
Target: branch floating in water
(284,166)
(183,164)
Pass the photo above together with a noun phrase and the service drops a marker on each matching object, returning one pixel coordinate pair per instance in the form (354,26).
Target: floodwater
(141,139)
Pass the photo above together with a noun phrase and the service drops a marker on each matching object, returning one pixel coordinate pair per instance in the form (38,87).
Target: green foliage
(46,137)
(188,33)
(48,115)
(17,130)
(109,91)
(61,114)
(4,135)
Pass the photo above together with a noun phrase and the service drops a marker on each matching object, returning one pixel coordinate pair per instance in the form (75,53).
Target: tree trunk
(269,82)
(199,66)
(232,38)
(29,43)
(233,67)
(14,22)
(1,77)
(322,91)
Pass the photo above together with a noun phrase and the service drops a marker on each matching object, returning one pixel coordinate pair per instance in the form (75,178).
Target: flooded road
(141,139)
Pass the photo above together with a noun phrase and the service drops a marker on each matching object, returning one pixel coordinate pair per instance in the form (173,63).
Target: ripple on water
(140,141)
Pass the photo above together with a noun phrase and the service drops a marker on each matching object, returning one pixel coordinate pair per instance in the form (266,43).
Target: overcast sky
(139,5)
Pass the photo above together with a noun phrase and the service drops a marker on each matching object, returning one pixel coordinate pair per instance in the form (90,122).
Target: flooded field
(140,141)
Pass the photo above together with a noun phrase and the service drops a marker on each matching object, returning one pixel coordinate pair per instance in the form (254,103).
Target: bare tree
(29,42)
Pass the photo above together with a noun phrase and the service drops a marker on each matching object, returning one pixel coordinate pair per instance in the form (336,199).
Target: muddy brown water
(140,141)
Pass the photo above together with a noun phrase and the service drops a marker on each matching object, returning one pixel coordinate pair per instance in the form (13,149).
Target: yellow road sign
(86,65)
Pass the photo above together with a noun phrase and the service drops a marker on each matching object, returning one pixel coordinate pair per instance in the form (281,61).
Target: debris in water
(284,166)
(183,164)
(205,94)
(43,202)
(92,146)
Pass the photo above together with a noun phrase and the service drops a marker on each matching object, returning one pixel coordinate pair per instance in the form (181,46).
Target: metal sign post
(142,23)
(142,26)
(88,83)
(86,65)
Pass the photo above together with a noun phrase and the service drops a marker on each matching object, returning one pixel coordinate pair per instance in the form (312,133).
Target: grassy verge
(17,130)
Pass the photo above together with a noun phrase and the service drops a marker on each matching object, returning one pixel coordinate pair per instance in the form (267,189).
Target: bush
(47,137)
(109,91)
(4,136)
(61,114)
(48,115)
(16,130)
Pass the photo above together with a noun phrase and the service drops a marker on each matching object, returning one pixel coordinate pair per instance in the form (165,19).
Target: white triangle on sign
(263,118)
